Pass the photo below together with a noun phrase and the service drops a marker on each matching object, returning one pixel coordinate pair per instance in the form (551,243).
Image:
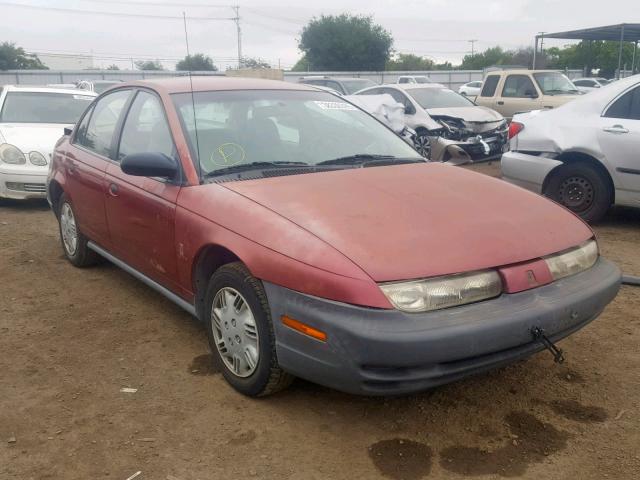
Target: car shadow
(34,204)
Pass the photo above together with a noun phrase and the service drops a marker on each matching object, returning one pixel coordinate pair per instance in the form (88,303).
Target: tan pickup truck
(516,91)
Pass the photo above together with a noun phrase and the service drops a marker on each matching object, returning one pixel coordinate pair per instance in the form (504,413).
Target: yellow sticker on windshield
(230,154)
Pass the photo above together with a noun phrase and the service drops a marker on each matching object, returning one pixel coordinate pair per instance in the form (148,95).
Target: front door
(518,95)
(141,210)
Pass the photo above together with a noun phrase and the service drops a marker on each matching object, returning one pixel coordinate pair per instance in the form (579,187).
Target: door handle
(500,102)
(113,190)
(616,129)
(72,168)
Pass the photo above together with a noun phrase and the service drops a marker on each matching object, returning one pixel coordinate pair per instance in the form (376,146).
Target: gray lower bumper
(384,352)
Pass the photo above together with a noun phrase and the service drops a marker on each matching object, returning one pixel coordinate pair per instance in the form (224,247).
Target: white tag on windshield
(334,105)
(82,97)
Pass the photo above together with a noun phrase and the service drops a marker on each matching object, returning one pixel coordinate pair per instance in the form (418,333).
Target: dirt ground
(70,339)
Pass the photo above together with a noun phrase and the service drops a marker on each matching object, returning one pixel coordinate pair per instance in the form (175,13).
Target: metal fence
(451,78)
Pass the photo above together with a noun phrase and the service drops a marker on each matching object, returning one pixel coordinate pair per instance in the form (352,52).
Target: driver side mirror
(149,164)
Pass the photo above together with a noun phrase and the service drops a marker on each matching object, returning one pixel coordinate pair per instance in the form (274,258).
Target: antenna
(193,101)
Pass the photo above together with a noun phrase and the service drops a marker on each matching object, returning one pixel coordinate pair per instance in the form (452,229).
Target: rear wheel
(241,333)
(582,188)
(74,243)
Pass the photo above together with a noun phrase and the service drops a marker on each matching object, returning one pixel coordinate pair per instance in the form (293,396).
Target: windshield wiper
(367,159)
(254,166)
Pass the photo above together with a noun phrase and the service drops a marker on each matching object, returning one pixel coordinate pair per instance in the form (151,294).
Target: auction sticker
(334,105)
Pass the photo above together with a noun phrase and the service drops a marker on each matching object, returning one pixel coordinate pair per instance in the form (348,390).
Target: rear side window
(627,106)
(489,87)
(81,134)
(404,80)
(475,84)
(146,128)
(518,86)
(98,136)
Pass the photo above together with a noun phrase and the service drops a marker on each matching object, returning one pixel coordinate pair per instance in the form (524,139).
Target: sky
(438,29)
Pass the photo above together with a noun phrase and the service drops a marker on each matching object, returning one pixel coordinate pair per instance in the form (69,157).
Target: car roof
(42,89)
(185,84)
(522,71)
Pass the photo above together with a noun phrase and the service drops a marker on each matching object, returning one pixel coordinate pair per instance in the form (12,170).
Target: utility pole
(237,20)
(542,47)
(473,51)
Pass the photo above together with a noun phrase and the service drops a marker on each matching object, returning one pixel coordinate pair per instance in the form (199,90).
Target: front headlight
(443,292)
(11,154)
(36,158)
(572,261)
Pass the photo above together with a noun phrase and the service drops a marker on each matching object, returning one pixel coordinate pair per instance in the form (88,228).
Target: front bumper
(21,183)
(472,149)
(384,352)
(527,171)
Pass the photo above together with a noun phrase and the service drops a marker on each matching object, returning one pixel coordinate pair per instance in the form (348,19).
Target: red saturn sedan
(313,242)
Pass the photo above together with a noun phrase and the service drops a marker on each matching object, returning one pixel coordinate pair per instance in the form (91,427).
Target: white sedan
(471,89)
(32,119)
(584,154)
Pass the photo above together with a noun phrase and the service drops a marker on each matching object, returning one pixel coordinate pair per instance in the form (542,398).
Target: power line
(160,4)
(112,14)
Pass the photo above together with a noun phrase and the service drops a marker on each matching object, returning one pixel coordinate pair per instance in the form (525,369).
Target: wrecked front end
(462,141)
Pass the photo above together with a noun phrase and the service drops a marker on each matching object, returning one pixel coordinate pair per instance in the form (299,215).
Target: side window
(489,87)
(98,135)
(518,86)
(400,98)
(583,83)
(626,107)
(476,84)
(81,133)
(373,91)
(403,80)
(146,128)
(335,85)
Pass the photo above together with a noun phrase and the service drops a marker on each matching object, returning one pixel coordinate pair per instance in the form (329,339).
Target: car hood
(419,220)
(475,118)
(28,137)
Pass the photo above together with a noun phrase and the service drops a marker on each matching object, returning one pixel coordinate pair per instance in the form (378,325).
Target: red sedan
(314,242)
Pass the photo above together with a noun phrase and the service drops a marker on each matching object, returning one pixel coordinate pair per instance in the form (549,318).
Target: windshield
(352,86)
(300,127)
(422,80)
(43,107)
(555,83)
(438,98)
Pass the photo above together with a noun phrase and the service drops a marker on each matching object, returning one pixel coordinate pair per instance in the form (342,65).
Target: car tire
(422,144)
(582,188)
(74,243)
(241,335)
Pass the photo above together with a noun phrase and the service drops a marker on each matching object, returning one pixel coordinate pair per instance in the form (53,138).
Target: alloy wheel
(68,229)
(423,145)
(235,332)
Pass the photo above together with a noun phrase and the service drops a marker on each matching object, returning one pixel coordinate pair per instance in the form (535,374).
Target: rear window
(489,87)
(43,107)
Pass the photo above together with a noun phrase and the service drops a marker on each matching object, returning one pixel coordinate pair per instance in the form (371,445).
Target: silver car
(448,126)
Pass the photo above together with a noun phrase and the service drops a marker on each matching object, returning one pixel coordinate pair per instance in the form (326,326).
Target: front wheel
(581,188)
(240,332)
(422,144)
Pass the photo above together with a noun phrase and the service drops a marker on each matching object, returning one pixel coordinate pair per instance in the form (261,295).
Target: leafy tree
(149,65)
(113,66)
(345,42)
(410,62)
(197,62)
(249,62)
(302,65)
(15,58)
(601,55)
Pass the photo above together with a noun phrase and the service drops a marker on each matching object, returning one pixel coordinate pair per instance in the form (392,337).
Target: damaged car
(449,127)
(583,154)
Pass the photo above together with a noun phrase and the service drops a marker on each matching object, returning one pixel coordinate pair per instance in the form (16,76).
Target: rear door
(86,162)
(141,210)
(619,137)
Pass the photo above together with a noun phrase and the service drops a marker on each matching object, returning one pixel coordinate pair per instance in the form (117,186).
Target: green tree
(249,62)
(600,55)
(113,66)
(345,42)
(149,65)
(15,58)
(409,62)
(196,63)
(302,65)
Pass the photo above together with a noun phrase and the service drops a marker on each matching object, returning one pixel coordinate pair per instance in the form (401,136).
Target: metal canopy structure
(623,32)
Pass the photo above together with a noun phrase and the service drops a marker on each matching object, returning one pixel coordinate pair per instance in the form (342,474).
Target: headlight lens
(37,158)
(443,292)
(11,154)
(572,261)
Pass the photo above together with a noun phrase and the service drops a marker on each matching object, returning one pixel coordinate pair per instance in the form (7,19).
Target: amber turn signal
(304,328)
